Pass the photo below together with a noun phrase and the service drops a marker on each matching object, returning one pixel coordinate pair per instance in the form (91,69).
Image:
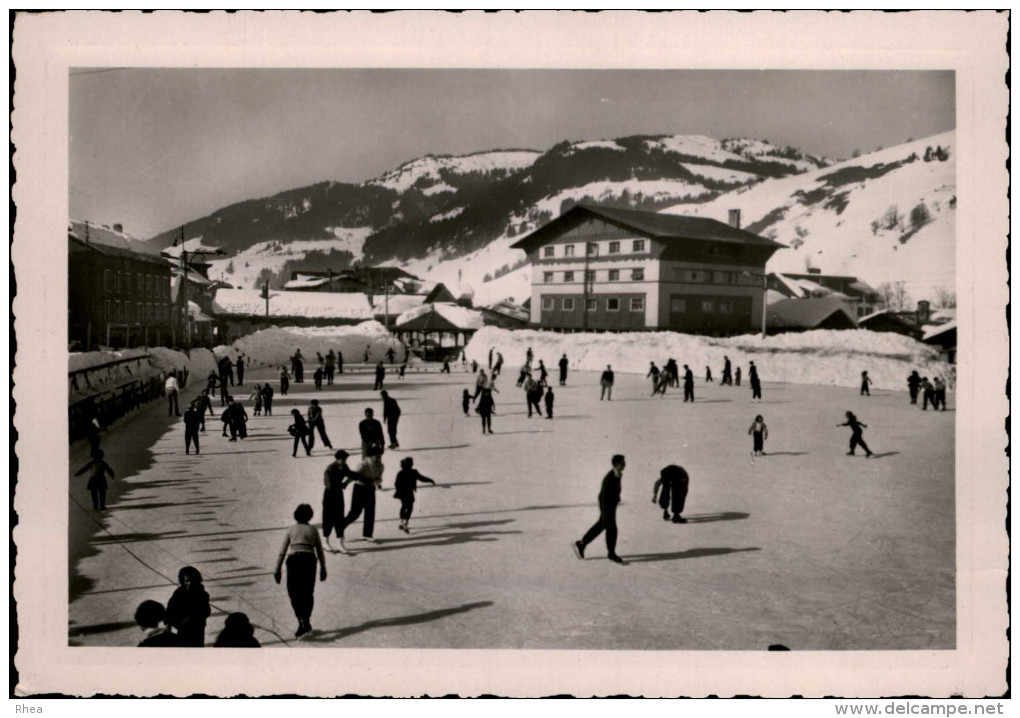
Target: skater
(673,371)
(485,407)
(256,398)
(267,398)
(688,384)
(607,383)
(563,370)
(403,368)
(302,548)
(284,381)
(856,437)
(317,377)
(737,377)
(543,374)
(529,355)
(149,616)
(474,366)
(335,479)
(865,383)
(533,395)
(171,395)
(297,365)
(653,372)
(479,384)
(928,391)
(368,479)
(238,421)
(330,367)
(609,499)
(391,415)
(390,356)
(339,362)
(226,372)
(405,485)
(752,372)
(727,373)
(316,422)
(211,383)
(708,374)
(674,482)
(380,375)
(371,433)
(760,432)
(226,416)
(523,376)
(92,432)
(97,485)
(299,430)
(446,367)
(204,404)
(549,399)
(913,385)
(940,394)
(239,365)
(367,347)
(665,380)
(465,402)
(499,364)
(237,633)
(188,608)
(192,421)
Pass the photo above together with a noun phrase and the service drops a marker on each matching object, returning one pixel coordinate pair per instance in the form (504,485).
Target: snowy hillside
(428,172)
(884,217)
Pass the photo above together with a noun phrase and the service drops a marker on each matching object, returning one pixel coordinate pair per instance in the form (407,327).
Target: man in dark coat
(380,375)
(727,372)
(549,399)
(204,404)
(607,383)
(297,365)
(240,370)
(371,433)
(192,421)
(609,499)
(336,477)
(563,370)
(267,399)
(391,415)
(688,384)
(752,374)
(674,482)
(914,384)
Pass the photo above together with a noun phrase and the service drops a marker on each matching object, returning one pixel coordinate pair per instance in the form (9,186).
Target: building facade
(605,269)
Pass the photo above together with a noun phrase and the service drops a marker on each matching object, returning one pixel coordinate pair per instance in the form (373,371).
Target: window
(547,304)
(549,251)
(127,281)
(614,247)
(593,248)
(568,250)
(723,277)
(591,305)
(139,283)
(148,285)
(639,245)
(707,306)
(677,305)
(108,280)
(637,275)
(116,312)
(568,276)
(547,277)
(568,304)
(726,306)
(637,304)
(613,304)
(614,275)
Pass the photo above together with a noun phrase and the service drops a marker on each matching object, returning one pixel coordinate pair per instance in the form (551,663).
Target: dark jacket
(391,410)
(192,419)
(371,431)
(186,611)
(407,483)
(299,427)
(609,495)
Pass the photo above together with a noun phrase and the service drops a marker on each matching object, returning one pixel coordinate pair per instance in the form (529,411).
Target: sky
(156,148)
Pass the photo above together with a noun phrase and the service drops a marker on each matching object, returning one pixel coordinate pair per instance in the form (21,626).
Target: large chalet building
(600,268)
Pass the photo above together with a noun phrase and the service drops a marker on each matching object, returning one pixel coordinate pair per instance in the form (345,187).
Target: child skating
(406,484)
(856,438)
(465,403)
(760,432)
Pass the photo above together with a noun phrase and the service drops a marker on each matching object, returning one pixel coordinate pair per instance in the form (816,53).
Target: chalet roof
(397,304)
(935,332)
(440,317)
(805,313)
(649,224)
(111,243)
(313,305)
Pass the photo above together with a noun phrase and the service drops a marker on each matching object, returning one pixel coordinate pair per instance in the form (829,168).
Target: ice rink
(805,547)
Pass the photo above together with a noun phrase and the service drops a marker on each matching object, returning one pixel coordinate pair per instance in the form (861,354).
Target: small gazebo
(425,328)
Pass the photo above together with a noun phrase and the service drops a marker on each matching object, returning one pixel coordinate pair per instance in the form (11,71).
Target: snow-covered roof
(306,282)
(510,309)
(398,304)
(932,332)
(806,313)
(112,242)
(316,305)
(192,246)
(459,317)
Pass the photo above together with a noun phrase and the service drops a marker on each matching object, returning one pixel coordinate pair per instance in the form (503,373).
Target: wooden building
(118,290)
(859,297)
(598,268)
(799,315)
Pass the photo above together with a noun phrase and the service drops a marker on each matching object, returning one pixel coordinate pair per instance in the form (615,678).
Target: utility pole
(184,292)
(587,282)
(265,295)
(764,302)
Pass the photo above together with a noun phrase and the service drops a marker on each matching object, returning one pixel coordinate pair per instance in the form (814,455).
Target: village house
(599,268)
(118,290)
(860,298)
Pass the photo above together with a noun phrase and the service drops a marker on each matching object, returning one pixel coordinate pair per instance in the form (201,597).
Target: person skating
(256,398)
(335,479)
(404,487)
(543,374)
(367,347)
(498,368)
(211,382)
(390,355)
(302,549)
(93,432)
(367,481)
(97,485)
(380,376)
(227,417)
(485,406)
(759,432)
(607,383)
(149,616)
(474,366)
(865,384)
(237,633)
(299,430)
(391,415)
(856,436)
(192,422)
(403,368)
(609,499)
(479,384)
(708,375)
(297,365)
(673,380)
(564,364)
(267,398)
(736,377)
(339,362)
(727,373)
(316,423)
(653,372)
(928,392)
(330,367)
(284,381)
(529,355)
(688,384)
(533,395)
(674,483)
(752,373)
(913,385)
(371,433)
(239,366)
(940,394)
(317,377)
(491,349)
(465,403)
(446,367)
(204,403)
(188,608)
(171,395)
(238,421)
(523,376)
(549,399)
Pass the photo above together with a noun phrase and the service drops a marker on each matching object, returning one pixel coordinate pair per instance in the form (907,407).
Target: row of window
(714,305)
(137,312)
(705,276)
(142,284)
(636,275)
(615,247)
(612,304)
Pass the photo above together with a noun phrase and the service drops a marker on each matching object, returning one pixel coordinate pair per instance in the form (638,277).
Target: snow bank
(833,358)
(275,346)
(332,305)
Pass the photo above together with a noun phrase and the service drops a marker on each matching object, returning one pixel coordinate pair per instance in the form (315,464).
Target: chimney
(118,227)
(923,312)
(735,218)
(814,270)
